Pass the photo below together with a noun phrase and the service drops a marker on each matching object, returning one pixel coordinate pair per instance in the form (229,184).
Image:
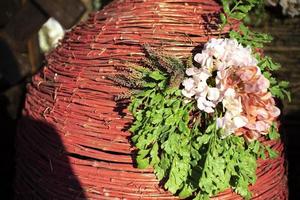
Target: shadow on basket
(45,161)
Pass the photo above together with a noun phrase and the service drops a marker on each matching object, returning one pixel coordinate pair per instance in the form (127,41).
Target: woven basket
(71,142)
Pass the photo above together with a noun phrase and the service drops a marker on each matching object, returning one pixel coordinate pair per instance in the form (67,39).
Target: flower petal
(188,83)
(188,93)
(240,121)
(191,71)
(213,94)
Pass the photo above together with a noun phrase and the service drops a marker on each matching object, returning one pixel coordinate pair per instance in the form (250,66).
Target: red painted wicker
(71,142)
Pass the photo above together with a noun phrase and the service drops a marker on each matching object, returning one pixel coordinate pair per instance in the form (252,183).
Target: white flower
(204,59)
(232,119)
(220,65)
(230,123)
(201,89)
(241,57)
(226,124)
(213,94)
(229,92)
(198,74)
(221,53)
(217,55)
(240,121)
(197,86)
(188,90)
(188,93)
(207,97)
(192,71)
(205,105)
(203,75)
(232,105)
(216,47)
(221,122)
(200,104)
(188,83)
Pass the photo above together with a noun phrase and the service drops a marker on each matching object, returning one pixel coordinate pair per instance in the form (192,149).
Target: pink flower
(257,104)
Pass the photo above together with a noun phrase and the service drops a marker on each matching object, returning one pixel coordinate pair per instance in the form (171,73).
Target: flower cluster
(229,75)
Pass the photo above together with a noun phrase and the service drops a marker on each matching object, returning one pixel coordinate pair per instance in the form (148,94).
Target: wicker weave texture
(71,142)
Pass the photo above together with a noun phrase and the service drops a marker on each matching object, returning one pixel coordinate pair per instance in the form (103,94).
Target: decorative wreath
(198,121)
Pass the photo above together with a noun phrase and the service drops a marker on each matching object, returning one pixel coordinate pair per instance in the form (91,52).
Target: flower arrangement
(198,121)
(238,85)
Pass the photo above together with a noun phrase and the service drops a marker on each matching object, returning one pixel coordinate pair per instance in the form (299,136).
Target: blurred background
(29,29)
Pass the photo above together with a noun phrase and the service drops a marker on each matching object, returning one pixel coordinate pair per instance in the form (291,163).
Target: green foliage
(238,10)
(250,38)
(187,153)
(182,144)
(257,15)
(278,89)
(273,133)
(189,157)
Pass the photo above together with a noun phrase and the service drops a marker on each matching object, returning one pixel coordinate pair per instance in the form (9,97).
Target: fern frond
(126,95)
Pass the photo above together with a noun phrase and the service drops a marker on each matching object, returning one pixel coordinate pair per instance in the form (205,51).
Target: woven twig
(73,95)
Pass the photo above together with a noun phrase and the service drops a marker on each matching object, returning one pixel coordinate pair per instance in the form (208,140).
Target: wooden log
(24,24)
(67,12)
